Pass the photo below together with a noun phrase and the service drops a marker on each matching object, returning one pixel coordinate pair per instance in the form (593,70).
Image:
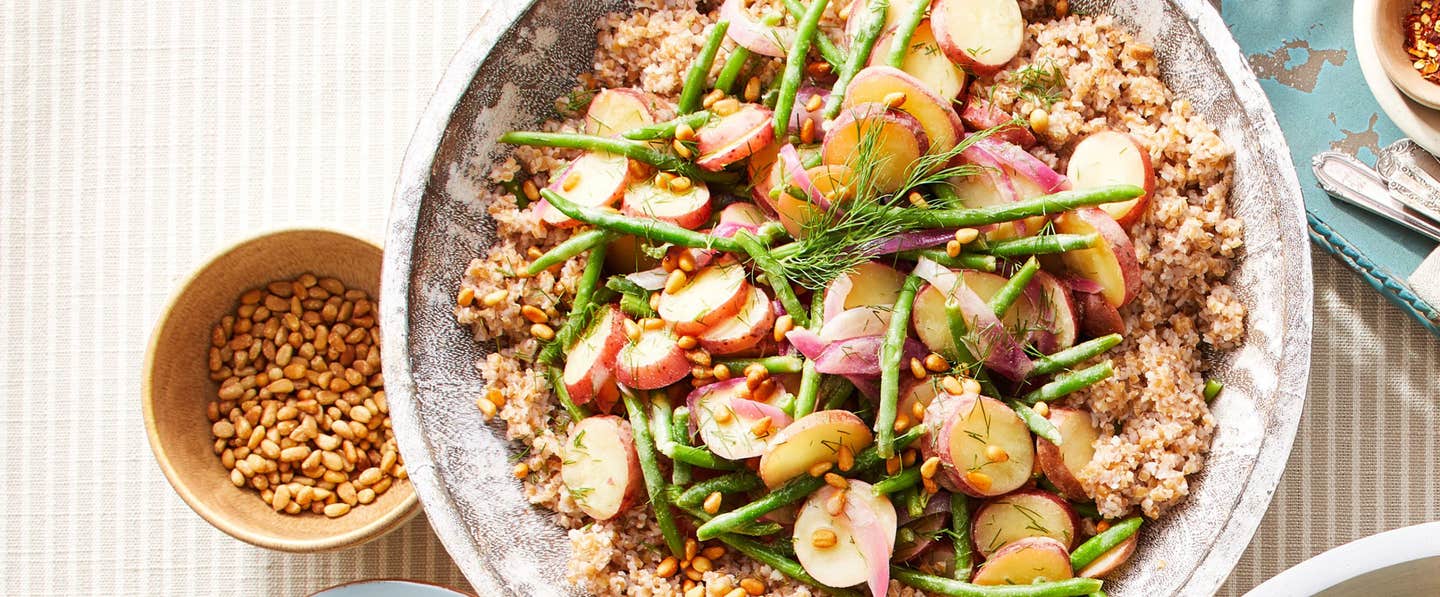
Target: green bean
(959,331)
(730,73)
(562,252)
(809,377)
(577,412)
(1040,426)
(1212,389)
(954,588)
(652,230)
(905,479)
(828,50)
(792,491)
(680,452)
(738,482)
(700,69)
(1096,546)
(771,231)
(839,391)
(859,53)
(905,30)
(701,457)
(635,150)
(581,309)
(1086,510)
(946,195)
(1066,383)
(666,130)
(916,500)
(773,272)
(1018,210)
(771,557)
(777,364)
(890,354)
(650,469)
(1099,593)
(1043,245)
(1013,288)
(634,300)
(976,261)
(680,472)
(805,33)
(753,529)
(770,98)
(960,530)
(1074,355)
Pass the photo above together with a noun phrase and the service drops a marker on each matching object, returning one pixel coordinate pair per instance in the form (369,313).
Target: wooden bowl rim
(399,514)
(1390,47)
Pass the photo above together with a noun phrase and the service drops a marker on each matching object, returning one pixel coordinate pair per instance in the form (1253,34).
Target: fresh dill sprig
(1042,83)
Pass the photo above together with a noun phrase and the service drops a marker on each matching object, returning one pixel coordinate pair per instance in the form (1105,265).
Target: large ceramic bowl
(524,54)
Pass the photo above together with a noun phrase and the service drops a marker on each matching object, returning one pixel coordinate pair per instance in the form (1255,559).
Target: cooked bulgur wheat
(1156,424)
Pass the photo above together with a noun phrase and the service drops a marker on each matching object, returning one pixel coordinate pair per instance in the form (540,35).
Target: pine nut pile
(301,416)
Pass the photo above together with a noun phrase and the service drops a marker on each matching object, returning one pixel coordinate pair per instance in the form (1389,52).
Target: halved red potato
(894,12)
(898,137)
(936,116)
(870,284)
(600,468)
(688,209)
(919,392)
(732,138)
(925,60)
(1055,309)
(982,35)
(1098,317)
(1026,561)
(747,215)
(711,296)
(932,325)
(594,179)
(963,431)
(1110,560)
(588,361)
(1111,157)
(854,323)
(1032,513)
(1111,263)
(996,185)
(979,114)
(742,331)
(831,181)
(1062,463)
(810,440)
(864,534)
(727,422)
(614,111)
(654,361)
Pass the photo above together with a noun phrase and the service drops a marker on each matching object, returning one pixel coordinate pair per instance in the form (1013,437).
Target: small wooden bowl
(176,389)
(1397,63)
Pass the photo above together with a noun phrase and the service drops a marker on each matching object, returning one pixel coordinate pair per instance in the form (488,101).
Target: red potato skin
(644,101)
(1119,243)
(1098,317)
(975,541)
(720,313)
(756,328)
(597,373)
(938,416)
(734,137)
(940,13)
(1138,209)
(555,218)
(979,114)
(1066,314)
(852,123)
(652,373)
(1111,560)
(1052,463)
(698,214)
(1020,545)
(635,491)
(940,140)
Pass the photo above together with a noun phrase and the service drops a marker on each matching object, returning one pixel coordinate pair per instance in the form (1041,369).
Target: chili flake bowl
(176,388)
(1389,38)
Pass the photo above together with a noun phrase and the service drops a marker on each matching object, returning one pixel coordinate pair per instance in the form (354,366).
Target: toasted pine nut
(936,363)
(680,184)
(534,252)
(917,369)
(721,372)
(652,324)
(818,69)
(929,485)
(712,502)
(701,564)
(892,465)
(894,99)
(1102,526)
(783,325)
(761,428)
(845,458)
(754,374)
(541,331)
(686,261)
(713,552)
(571,181)
(970,385)
(752,586)
(531,192)
(820,468)
(836,504)
(917,200)
(534,314)
(836,481)
(675,282)
(663,179)
(726,107)
(466,296)
(978,480)
(654,301)
(807,130)
(908,458)
(692,547)
(667,568)
(902,422)
(521,471)
(1042,409)
(917,410)
(952,248)
(752,89)
(931,466)
(686,342)
(823,538)
(966,236)
(337,509)
(632,330)
(699,372)
(722,416)
(996,453)
(1062,9)
(952,385)
(681,149)
(710,98)
(684,132)
(494,297)
(1039,120)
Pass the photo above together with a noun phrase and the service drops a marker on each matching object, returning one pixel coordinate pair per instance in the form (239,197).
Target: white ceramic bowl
(1399,562)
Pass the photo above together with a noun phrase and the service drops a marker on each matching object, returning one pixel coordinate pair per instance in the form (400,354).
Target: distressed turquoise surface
(1303,52)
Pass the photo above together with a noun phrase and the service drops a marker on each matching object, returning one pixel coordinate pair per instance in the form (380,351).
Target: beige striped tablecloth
(138,138)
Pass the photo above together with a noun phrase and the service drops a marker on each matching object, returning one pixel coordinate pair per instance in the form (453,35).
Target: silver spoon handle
(1351,181)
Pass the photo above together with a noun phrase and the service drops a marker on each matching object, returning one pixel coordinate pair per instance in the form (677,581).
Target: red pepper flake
(1422,38)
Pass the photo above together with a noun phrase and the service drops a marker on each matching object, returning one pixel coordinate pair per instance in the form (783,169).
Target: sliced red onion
(650,279)
(920,239)
(795,172)
(807,342)
(692,400)
(1082,285)
(861,356)
(875,540)
(753,35)
(836,294)
(1004,354)
(869,386)
(1025,164)
(853,323)
(752,410)
(992,169)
